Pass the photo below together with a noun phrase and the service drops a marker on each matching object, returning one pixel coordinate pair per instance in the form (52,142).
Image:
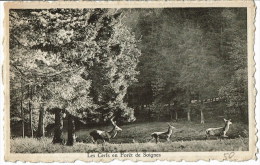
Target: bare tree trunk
(189,106)
(41,131)
(58,126)
(22,110)
(31,120)
(71,130)
(188,115)
(22,114)
(30,110)
(176,115)
(202,107)
(170,110)
(202,120)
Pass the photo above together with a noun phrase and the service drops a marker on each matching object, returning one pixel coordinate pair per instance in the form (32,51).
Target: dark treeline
(87,65)
(190,57)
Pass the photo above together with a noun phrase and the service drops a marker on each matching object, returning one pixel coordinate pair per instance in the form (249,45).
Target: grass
(29,145)
(135,138)
(141,132)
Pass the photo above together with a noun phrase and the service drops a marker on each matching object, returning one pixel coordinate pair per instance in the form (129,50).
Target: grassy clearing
(141,132)
(135,138)
(29,145)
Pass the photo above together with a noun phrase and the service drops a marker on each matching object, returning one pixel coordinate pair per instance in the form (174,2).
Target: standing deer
(163,135)
(105,136)
(219,132)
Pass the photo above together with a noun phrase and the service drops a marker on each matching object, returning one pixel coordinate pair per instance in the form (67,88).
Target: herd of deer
(105,136)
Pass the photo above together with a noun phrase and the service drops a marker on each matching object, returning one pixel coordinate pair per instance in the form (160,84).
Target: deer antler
(170,125)
(112,120)
(97,134)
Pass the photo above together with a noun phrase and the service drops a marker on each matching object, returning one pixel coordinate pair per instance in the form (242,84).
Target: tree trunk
(22,110)
(30,110)
(22,116)
(202,120)
(169,106)
(71,130)
(176,115)
(189,106)
(202,107)
(58,126)
(188,115)
(31,120)
(41,131)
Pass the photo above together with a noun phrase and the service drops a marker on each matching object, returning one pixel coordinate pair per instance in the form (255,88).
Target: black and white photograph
(129,80)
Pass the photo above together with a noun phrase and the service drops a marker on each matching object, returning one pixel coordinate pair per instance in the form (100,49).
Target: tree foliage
(191,54)
(78,60)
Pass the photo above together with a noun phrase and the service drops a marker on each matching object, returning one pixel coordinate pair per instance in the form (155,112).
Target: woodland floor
(135,137)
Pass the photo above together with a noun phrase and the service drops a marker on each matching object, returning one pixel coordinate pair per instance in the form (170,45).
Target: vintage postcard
(140,81)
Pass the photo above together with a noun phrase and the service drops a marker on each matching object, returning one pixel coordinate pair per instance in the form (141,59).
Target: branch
(43,75)
(19,42)
(18,70)
(57,74)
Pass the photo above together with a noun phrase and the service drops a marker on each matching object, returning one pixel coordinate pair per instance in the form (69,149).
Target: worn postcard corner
(140,81)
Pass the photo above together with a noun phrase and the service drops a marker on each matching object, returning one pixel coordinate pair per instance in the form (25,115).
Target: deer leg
(224,134)
(156,140)
(151,139)
(63,142)
(93,140)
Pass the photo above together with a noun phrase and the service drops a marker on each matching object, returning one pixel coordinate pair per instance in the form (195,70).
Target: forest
(74,69)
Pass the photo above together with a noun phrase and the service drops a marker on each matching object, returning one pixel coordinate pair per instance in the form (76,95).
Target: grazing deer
(105,136)
(163,135)
(219,132)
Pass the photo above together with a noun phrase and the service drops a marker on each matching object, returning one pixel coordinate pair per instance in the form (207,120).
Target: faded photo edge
(169,156)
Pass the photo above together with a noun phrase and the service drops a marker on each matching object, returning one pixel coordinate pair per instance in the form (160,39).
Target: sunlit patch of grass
(141,132)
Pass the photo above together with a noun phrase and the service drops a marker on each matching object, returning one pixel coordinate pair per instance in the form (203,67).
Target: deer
(163,135)
(105,136)
(220,131)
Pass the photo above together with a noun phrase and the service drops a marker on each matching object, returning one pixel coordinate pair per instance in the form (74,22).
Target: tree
(236,90)
(185,56)
(199,70)
(84,59)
